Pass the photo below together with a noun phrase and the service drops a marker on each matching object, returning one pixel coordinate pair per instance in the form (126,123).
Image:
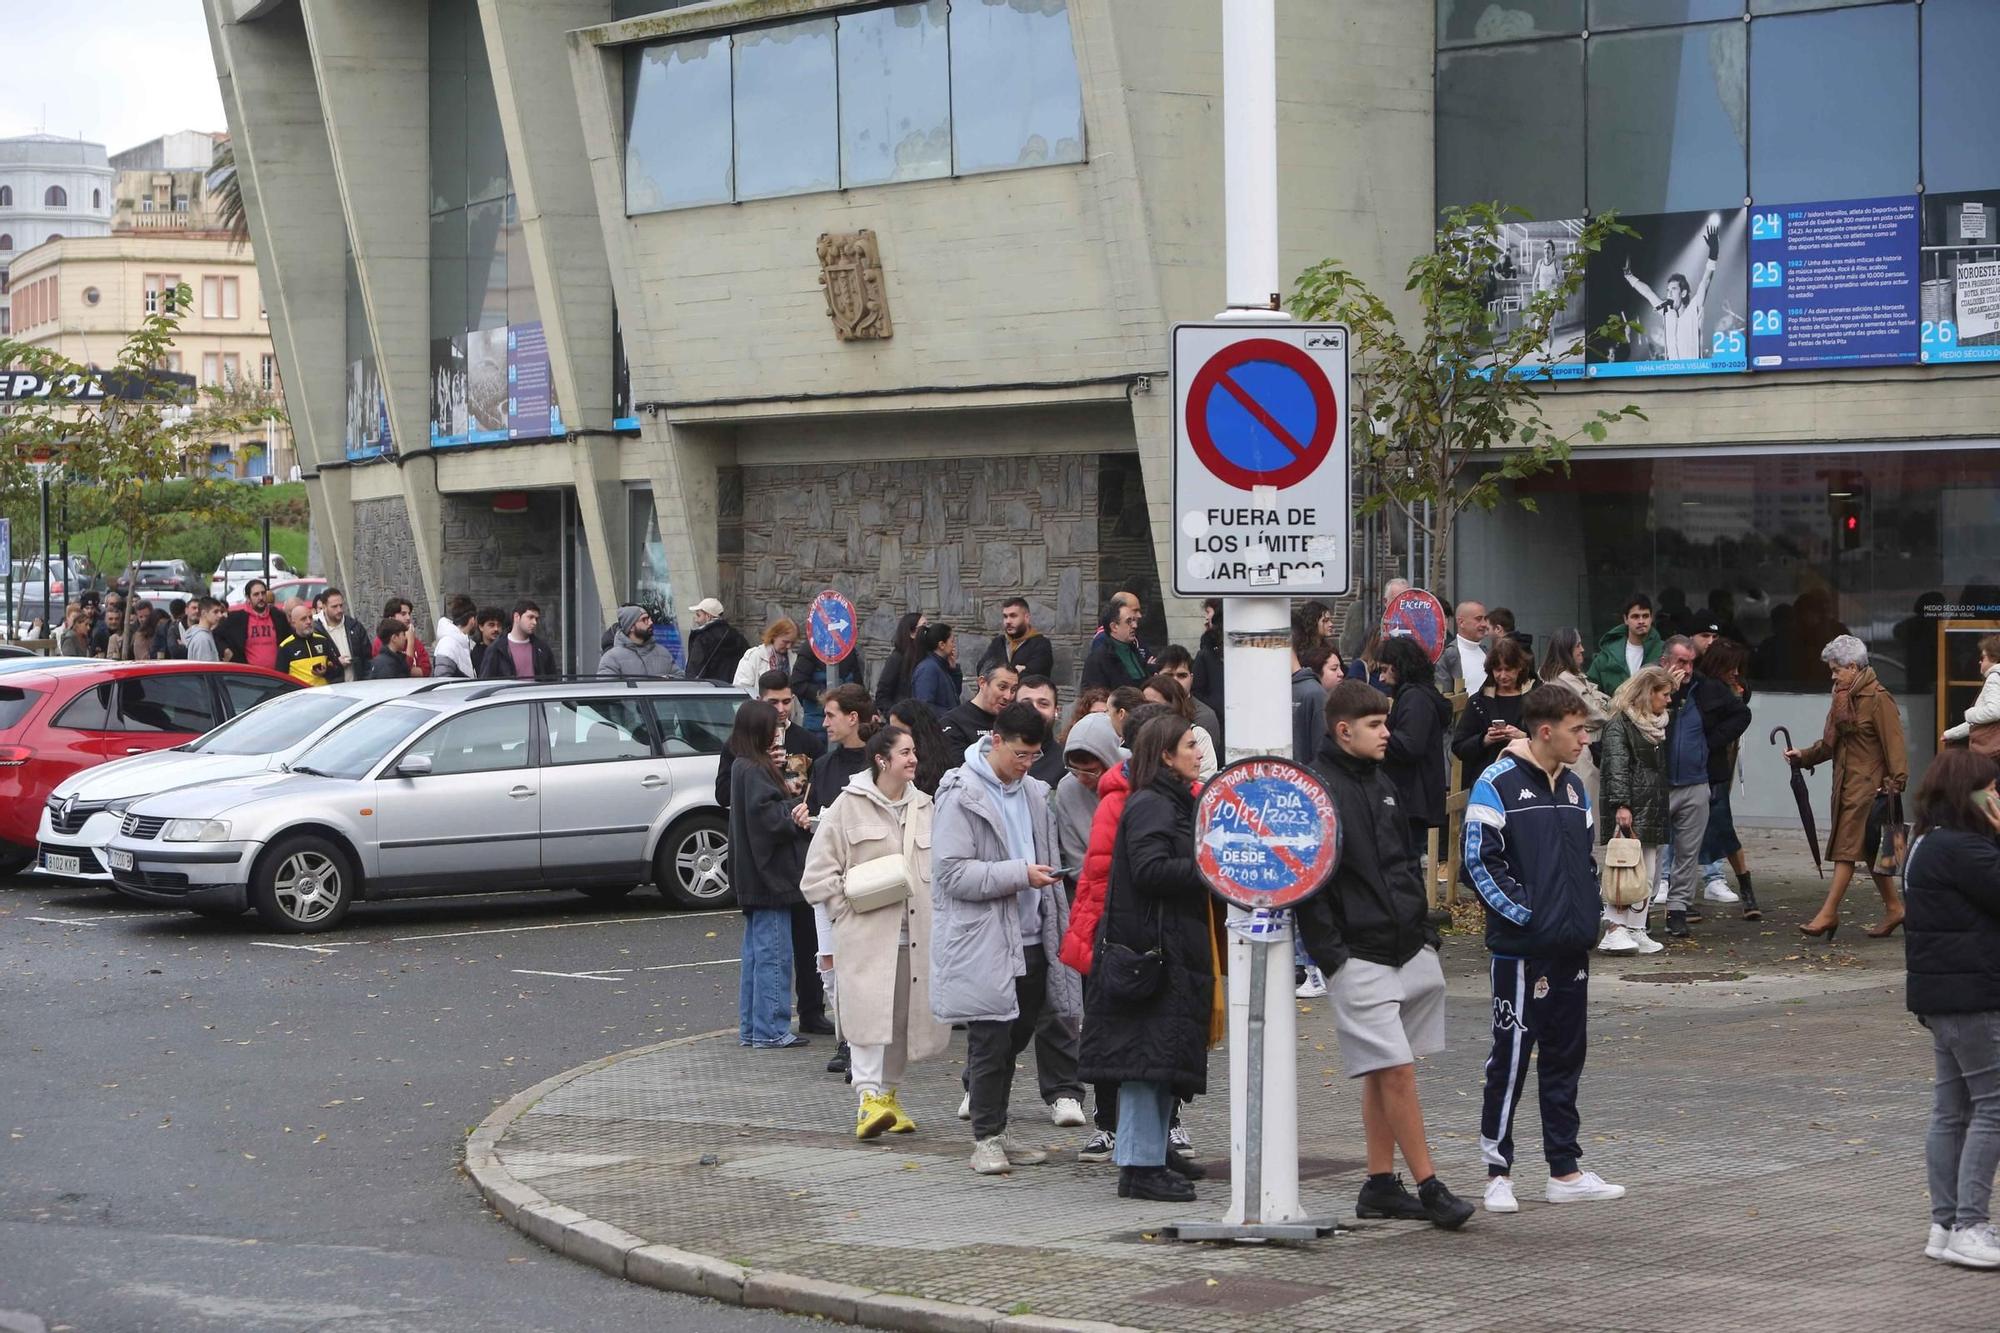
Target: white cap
(708,606)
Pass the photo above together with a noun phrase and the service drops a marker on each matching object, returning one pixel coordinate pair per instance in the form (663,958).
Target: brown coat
(1868,754)
(856,828)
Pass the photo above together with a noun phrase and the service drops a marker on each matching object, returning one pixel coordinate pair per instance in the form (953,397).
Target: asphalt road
(206,1131)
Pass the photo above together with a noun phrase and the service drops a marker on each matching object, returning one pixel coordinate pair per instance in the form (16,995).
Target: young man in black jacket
(1369,931)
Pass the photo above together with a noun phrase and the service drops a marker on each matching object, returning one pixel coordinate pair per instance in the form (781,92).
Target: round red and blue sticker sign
(1266,834)
(1415,614)
(1261,413)
(831,626)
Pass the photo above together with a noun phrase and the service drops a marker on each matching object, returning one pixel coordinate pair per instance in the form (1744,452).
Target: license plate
(62,865)
(120,860)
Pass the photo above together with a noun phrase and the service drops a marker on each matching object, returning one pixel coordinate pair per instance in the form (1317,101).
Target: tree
(145,430)
(227,188)
(1432,413)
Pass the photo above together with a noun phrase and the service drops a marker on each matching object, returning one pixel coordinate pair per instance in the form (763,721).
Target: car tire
(605,892)
(303,884)
(691,866)
(15,858)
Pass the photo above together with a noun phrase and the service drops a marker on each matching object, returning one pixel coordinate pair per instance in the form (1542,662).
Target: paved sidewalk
(1765,1103)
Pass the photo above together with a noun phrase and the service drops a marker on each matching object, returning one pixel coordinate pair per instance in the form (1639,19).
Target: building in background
(163,186)
(50,187)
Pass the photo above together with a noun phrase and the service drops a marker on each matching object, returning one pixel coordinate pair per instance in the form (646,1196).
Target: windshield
(350,751)
(274,725)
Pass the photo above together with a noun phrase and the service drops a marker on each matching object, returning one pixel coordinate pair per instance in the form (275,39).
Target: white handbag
(885,881)
(1623,880)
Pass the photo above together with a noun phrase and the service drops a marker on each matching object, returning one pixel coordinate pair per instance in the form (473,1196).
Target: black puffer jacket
(1633,774)
(1415,762)
(767,851)
(1724,719)
(1951,927)
(1468,739)
(1155,898)
(1375,907)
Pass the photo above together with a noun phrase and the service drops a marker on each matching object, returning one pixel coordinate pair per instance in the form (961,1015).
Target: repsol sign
(20,385)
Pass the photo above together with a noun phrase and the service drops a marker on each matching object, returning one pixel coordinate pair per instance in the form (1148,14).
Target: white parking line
(675,967)
(309,948)
(616,973)
(556,925)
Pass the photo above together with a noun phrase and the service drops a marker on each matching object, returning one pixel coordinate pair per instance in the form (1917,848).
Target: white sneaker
(1935,1246)
(989,1157)
(1974,1247)
(1586,1188)
(1718,891)
(1660,894)
(1067,1112)
(1500,1195)
(1020,1154)
(965,1107)
(1618,940)
(1646,943)
(1177,1137)
(1313,986)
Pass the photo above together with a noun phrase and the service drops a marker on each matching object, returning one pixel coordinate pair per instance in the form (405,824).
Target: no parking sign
(1266,834)
(830,625)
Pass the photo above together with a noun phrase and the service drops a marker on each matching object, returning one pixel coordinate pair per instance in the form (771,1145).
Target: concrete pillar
(371,61)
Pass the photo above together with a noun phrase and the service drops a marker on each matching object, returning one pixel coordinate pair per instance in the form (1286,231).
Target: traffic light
(1847,500)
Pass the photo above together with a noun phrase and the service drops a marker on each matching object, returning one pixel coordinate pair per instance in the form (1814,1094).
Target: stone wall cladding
(952,537)
(498,558)
(385,563)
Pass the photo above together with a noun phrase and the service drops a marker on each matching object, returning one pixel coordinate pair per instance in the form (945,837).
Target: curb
(624,1255)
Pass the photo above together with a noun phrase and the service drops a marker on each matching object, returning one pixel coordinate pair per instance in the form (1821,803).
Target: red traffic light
(1854,523)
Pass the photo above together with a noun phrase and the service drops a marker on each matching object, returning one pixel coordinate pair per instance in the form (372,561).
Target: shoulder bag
(885,881)
(1122,974)
(1623,879)
(1985,739)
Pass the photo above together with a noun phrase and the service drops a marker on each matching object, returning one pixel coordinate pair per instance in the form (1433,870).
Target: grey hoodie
(1076,804)
(625,658)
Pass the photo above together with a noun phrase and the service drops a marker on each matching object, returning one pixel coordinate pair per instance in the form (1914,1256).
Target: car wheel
(15,858)
(692,865)
(304,883)
(605,892)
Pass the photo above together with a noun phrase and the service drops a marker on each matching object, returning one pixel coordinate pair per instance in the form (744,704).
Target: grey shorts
(1387,1016)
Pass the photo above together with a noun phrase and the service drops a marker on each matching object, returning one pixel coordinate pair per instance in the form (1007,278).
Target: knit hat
(628,616)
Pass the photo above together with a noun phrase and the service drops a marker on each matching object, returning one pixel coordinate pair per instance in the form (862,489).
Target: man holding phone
(997,922)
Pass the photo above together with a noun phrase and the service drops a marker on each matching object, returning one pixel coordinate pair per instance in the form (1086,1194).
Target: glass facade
(891,93)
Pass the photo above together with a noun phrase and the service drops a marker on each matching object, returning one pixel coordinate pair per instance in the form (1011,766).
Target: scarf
(1653,726)
(1842,713)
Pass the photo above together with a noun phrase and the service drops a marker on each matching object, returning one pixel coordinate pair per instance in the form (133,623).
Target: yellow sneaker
(877,1113)
(903,1125)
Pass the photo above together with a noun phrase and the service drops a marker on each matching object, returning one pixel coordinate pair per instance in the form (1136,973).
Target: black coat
(1107,666)
(1415,762)
(498,664)
(830,775)
(1951,923)
(797,741)
(767,851)
(1632,776)
(1033,656)
(893,685)
(1468,741)
(1208,683)
(1724,719)
(714,650)
(352,640)
(388,665)
(1375,907)
(235,629)
(1155,898)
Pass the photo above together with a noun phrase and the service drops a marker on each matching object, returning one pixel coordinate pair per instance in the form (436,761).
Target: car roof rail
(517,683)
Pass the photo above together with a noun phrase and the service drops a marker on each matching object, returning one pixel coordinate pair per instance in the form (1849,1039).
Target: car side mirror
(414,766)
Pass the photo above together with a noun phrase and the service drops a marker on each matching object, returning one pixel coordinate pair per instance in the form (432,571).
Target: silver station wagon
(597,785)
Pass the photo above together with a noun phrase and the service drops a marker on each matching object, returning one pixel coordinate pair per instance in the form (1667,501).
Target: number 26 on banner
(1766,323)
(1940,333)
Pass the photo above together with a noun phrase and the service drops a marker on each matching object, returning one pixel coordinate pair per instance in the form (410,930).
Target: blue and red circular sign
(1416,614)
(831,626)
(1266,834)
(1261,413)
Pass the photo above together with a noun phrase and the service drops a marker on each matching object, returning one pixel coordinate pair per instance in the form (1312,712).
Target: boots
(1751,912)
(1892,909)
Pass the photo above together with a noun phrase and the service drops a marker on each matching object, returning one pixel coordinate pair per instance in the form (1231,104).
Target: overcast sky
(117,72)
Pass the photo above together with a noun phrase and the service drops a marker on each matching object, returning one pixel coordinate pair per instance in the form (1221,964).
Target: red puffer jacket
(1088,905)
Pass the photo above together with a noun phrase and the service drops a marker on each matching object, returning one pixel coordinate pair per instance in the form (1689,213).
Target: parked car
(58,720)
(239,567)
(81,814)
(36,662)
(159,580)
(594,785)
(38,598)
(284,591)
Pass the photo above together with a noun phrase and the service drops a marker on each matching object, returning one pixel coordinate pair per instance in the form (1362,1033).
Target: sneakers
(1500,1195)
(1677,925)
(1066,1112)
(1590,1187)
(1660,894)
(1020,1154)
(965,1107)
(1446,1210)
(876,1115)
(903,1125)
(989,1157)
(1935,1246)
(1153,1182)
(1313,987)
(1098,1147)
(1974,1247)
(1177,1137)
(1618,940)
(1643,942)
(1718,891)
(841,1061)
(1392,1201)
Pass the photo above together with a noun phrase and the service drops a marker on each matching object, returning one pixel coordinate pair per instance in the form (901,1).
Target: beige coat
(1597,707)
(857,828)
(1868,757)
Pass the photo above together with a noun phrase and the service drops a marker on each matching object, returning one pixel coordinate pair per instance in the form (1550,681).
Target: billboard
(1834,284)
(1680,281)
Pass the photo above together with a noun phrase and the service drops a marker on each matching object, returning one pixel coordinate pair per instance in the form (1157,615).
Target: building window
(1852,137)
(55,197)
(153,289)
(1606,15)
(211,368)
(1665,112)
(6,240)
(1479,22)
(174,362)
(267,373)
(6,196)
(97,200)
(231,302)
(901,92)
(232,369)
(3,279)
(211,298)
(180,203)
(1961,38)
(146,203)
(1509,127)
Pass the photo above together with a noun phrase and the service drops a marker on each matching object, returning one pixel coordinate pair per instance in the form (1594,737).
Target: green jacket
(1607,670)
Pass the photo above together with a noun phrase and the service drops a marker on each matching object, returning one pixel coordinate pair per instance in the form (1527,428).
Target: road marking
(557,925)
(675,967)
(615,973)
(309,948)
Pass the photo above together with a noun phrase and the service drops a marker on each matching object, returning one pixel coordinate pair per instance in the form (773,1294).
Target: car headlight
(196,830)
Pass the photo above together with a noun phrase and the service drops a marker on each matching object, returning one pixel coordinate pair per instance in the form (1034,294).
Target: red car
(55,722)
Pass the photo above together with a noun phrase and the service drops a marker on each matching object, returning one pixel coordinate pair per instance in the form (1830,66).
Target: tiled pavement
(1769,1123)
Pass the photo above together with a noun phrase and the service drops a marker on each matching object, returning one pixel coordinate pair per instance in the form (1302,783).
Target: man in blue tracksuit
(1528,846)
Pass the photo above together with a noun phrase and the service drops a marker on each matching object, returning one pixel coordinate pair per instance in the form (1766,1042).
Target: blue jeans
(1144,1111)
(764,999)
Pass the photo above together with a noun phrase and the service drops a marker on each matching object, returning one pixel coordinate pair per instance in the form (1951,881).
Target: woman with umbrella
(1864,739)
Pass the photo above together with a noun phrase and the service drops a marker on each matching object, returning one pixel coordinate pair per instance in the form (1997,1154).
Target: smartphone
(1067,872)
(1987,801)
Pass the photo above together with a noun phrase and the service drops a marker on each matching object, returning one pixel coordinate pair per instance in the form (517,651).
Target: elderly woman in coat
(884,953)
(1864,738)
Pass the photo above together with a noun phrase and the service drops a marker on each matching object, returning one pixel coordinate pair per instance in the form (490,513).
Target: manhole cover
(1682,978)
(1239,1295)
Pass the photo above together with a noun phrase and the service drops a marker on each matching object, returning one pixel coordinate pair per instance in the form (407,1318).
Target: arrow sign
(830,625)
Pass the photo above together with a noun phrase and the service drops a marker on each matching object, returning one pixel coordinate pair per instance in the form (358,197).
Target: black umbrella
(1800,795)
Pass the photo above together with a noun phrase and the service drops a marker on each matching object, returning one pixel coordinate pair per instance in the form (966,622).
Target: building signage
(1680,283)
(20,385)
(1260,470)
(1834,284)
(1266,834)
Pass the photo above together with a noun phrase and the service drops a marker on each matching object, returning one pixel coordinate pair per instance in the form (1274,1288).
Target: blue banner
(1834,284)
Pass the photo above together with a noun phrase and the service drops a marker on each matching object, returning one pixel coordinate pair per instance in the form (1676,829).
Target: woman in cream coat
(883,956)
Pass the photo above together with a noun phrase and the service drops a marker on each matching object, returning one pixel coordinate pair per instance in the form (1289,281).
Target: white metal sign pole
(1256,642)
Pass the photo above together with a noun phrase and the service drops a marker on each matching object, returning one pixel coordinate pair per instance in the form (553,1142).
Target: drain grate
(1682,978)
(1237,1295)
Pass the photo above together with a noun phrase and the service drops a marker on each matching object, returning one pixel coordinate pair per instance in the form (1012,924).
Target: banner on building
(1531,262)
(492,385)
(1834,284)
(1960,297)
(367,412)
(1681,282)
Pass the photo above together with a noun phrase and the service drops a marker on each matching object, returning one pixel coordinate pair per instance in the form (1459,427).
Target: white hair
(1845,650)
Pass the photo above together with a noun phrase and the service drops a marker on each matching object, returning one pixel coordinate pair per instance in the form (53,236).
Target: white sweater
(1986,708)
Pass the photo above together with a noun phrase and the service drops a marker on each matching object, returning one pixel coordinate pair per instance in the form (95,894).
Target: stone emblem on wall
(857,301)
